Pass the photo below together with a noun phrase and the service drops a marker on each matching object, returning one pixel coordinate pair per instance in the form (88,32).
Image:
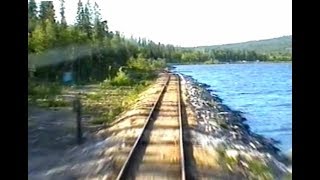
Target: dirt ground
(53,152)
(52,143)
(52,140)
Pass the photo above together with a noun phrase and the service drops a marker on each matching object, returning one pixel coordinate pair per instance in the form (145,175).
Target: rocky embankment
(224,130)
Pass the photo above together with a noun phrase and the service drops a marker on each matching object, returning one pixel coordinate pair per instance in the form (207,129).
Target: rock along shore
(226,129)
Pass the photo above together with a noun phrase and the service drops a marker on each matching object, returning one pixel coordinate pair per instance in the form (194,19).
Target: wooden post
(77,109)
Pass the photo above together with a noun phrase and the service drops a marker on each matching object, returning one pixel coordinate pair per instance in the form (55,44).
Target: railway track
(158,152)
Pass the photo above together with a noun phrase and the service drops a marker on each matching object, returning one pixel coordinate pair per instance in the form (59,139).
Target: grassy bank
(45,94)
(108,98)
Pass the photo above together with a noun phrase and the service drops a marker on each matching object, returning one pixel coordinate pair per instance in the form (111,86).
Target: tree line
(92,52)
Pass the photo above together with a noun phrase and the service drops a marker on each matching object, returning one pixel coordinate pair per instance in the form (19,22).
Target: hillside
(275,45)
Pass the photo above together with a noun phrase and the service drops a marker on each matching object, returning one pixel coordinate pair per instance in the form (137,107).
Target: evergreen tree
(87,19)
(79,17)
(62,13)
(51,34)
(47,11)
(38,40)
(32,15)
(99,29)
(32,9)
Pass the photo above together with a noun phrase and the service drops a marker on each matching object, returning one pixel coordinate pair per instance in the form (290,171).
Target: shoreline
(227,128)
(217,98)
(171,65)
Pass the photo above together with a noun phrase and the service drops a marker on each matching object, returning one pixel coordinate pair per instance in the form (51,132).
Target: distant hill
(275,45)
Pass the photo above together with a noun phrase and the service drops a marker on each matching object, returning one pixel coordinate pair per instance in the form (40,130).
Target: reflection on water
(263,91)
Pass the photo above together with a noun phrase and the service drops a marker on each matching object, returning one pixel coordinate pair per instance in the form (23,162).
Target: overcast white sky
(193,22)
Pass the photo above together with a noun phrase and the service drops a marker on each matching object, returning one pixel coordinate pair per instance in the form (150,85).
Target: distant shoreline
(247,62)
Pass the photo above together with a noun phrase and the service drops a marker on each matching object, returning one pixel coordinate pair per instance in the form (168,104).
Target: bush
(139,63)
(158,64)
(43,90)
(146,65)
(122,79)
(208,62)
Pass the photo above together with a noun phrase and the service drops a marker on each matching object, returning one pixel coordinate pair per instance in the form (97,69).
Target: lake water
(263,91)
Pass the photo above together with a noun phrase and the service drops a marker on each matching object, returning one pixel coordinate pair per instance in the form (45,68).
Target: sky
(191,23)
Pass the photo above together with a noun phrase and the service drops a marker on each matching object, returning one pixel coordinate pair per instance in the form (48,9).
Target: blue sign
(67,77)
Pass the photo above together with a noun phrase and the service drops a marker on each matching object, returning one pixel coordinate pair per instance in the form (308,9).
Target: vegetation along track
(158,152)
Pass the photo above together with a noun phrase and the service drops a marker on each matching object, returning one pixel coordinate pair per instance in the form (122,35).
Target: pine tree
(38,40)
(99,27)
(47,11)
(87,19)
(51,33)
(79,14)
(62,13)
(32,9)
(32,15)
(83,18)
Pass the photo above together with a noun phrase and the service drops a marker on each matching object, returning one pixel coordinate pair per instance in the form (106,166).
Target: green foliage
(139,63)
(287,177)
(107,103)
(52,103)
(62,13)
(32,15)
(256,168)
(122,79)
(94,96)
(131,98)
(38,40)
(47,11)
(50,33)
(260,170)
(275,45)
(158,64)
(45,94)
(209,62)
(143,64)
(98,31)
(43,90)
(32,9)
(108,116)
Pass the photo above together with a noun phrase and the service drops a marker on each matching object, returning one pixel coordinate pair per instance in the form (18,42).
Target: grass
(43,90)
(110,101)
(260,170)
(226,161)
(52,103)
(114,95)
(104,105)
(45,94)
(287,177)
(117,94)
(256,168)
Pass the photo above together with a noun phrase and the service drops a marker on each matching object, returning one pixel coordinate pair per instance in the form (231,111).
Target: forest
(93,53)
(281,45)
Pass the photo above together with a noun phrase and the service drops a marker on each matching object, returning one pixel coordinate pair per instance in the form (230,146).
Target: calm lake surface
(263,91)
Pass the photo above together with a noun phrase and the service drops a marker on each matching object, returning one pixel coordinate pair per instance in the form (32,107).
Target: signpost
(77,109)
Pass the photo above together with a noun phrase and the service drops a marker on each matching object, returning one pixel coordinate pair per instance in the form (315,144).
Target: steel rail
(124,170)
